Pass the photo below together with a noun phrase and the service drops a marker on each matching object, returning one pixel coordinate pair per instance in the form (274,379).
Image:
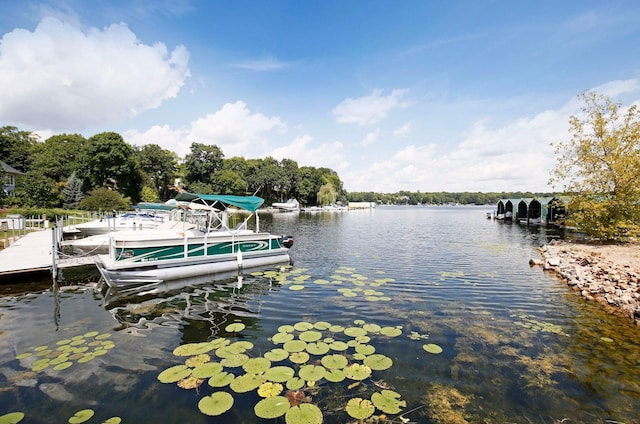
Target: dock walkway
(32,253)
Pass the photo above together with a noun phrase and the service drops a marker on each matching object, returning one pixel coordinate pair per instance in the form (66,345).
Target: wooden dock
(32,253)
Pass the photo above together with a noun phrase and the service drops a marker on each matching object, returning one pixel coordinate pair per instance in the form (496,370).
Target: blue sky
(393,95)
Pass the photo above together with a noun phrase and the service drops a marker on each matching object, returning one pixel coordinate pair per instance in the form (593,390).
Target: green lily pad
(390,331)
(388,401)
(23,356)
(272,407)
(221,379)
(206,370)
(235,327)
(355,331)
(11,418)
(305,413)
(286,329)
(303,326)
(63,366)
(216,404)
(246,383)
(279,374)
(334,361)
(269,389)
(334,375)
(295,346)
(310,336)
(256,365)
(174,374)
(339,346)
(276,355)
(192,349)
(295,383)
(279,338)
(299,357)
(378,362)
(81,416)
(113,420)
(196,361)
(432,348)
(311,372)
(318,348)
(321,325)
(357,372)
(296,287)
(365,349)
(336,329)
(359,408)
(234,361)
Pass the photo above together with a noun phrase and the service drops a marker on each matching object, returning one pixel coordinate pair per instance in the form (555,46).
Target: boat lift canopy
(250,203)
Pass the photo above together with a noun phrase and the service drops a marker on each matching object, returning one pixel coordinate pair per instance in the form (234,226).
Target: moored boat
(146,257)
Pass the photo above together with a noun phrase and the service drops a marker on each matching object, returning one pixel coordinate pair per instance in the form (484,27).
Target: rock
(535,262)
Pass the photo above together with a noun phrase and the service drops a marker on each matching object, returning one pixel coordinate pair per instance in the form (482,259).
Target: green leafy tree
(600,165)
(110,162)
(37,190)
(228,182)
(59,156)
(149,194)
(16,147)
(159,166)
(201,188)
(72,193)
(105,199)
(327,195)
(202,162)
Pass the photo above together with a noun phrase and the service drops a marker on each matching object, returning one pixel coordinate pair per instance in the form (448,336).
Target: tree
(600,165)
(326,195)
(72,193)
(105,199)
(110,162)
(202,162)
(159,166)
(59,156)
(16,147)
(228,182)
(36,190)
(149,194)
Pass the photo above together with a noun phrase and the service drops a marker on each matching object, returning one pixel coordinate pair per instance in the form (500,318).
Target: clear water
(518,345)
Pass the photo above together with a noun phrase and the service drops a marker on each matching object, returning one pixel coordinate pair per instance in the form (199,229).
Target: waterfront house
(8,176)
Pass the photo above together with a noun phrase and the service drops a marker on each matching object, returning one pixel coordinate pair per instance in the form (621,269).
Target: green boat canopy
(250,203)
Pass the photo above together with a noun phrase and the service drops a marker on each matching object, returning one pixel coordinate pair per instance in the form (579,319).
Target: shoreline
(607,274)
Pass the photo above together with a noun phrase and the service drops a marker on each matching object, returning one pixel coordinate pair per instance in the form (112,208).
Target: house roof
(9,169)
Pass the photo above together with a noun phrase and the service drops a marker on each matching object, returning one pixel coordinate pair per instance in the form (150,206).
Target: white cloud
(329,155)
(403,130)
(235,129)
(370,138)
(369,109)
(62,77)
(164,136)
(262,65)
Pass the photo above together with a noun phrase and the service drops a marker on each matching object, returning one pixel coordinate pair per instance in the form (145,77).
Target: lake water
(517,345)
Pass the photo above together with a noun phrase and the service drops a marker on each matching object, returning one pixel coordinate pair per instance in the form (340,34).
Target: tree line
(71,171)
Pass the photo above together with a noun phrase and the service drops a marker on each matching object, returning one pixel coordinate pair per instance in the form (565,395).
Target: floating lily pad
(318,348)
(365,349)
(321,325)
(334,361)
(432,348)
(192,349)
(272,407)
(24,355)
(355,331)
(286,329)
(277,355)
(378,362)
(390,331)
(295,383)
(310,336)
(295,346)
(221,379)
(113,420)
(207,370)
(359,408)
(339,346)
(81,416)
(216,404)
(11,418)
(299,357)
(63,366)
(270,389)
(174,374)
(246,383)
(303,326)
(279,374)
(237,360)
(296,287)
(388,401)
(311,372)
(305,413)
(190,383)
(256,365)
(235,327)
(357,372)
(197,360)
(279,338)
(334,375)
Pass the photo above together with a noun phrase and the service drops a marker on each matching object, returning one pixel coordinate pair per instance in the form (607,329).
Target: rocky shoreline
(609,275)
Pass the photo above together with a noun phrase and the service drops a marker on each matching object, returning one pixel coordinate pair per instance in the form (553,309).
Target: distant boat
(290,205)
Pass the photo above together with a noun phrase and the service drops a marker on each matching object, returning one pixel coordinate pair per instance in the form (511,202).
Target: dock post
(54,253)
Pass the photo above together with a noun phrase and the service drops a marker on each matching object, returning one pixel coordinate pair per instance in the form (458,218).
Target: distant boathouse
(533,210)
